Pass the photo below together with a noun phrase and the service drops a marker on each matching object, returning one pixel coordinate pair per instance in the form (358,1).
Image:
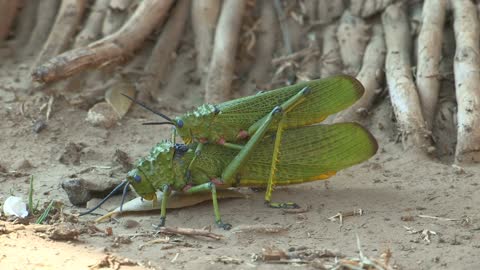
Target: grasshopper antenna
(117,188)
(150,109)
(124,194)
(157,123)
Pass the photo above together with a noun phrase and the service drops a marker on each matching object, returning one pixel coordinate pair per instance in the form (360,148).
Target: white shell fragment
(14,206)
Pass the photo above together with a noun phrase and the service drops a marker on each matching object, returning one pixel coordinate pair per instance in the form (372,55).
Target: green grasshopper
(241,124)
(308,154)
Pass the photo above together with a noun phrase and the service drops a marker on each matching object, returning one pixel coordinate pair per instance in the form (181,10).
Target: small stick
(341,215)
(155,241)
(439,218)
(259,228)
(297,210)
(190,232)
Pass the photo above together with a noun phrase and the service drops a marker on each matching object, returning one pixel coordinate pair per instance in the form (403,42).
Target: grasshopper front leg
(211,186)
(163,207)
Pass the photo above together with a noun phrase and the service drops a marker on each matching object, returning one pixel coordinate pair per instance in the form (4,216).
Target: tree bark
(46,13)
(92,29)
(330,62)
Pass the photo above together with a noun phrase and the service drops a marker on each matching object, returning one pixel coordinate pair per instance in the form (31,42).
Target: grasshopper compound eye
(179,123)
(137,178)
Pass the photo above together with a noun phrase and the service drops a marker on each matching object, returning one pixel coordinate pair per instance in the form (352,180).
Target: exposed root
(161,55)
(109,49)
(467,81)
(91,31)
(264,48)
(329,10)
(371,76)
(403,94)
(429,53)
(65,26)
(8,11)
(25,23)
(367,8)
(222,65)
(353,35)
(330,62)
(204,20)
(46,12)
(116,16)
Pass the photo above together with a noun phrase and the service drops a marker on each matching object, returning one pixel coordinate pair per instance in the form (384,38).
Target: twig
(155,241)
(439,218)
(296,55)
(340,215)
(259,228)
(190,232)
(297,210)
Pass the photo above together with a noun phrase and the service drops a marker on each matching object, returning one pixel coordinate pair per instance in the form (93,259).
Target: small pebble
(21,164)
(130,223)
(102,114)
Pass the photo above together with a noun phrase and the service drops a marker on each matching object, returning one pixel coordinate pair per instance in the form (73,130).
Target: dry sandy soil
(394,191)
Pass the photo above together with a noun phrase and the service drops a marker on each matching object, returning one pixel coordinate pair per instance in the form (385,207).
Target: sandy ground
(396,193)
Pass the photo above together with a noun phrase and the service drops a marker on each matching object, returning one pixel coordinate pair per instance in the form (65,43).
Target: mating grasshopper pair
(261,140)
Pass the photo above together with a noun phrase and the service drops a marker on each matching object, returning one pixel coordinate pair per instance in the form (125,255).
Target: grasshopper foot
(225,226)
(161,224)
(285,205)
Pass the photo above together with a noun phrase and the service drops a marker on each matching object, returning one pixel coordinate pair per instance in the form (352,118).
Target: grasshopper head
(142,184)
(154,171)
(198,121)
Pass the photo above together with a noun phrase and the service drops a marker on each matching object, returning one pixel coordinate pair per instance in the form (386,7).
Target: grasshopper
(308,154)
(241,124)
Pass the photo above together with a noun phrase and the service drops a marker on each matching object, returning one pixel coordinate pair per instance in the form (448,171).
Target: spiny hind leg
(258,131)
(211,186)
(273,169)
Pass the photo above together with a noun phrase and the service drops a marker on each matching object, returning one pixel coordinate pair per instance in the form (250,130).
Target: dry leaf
(114,96)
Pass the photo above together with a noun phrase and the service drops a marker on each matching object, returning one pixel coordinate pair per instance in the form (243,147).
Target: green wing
(328,96)
(310,153)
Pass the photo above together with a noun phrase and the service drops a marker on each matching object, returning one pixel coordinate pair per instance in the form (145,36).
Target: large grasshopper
(241,124)
(308,154)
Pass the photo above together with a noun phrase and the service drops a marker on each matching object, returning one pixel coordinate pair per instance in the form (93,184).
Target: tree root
(8,11)
(329,10)
(353,35)
(25,23)
(91,31)
(46,13)
(220,73)
(403,94)
(330,62)
(467,81)
(115,17)
(204,19)
(429,53)
(367,8)
(371,76)
(166,45)
(65,26)
(109,49)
